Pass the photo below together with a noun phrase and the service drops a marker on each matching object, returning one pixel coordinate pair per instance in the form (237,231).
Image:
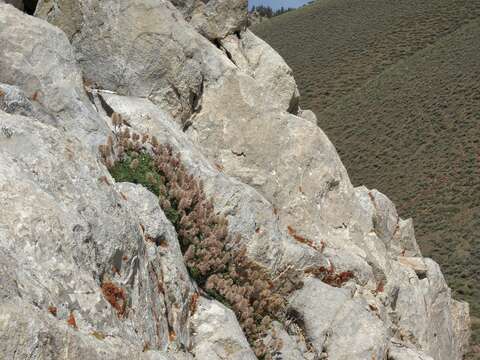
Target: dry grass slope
(396,86)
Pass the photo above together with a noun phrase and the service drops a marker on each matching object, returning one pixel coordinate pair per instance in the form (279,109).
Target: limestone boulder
(397,234)
(291,343)
(163,269)
(38,58)
(13,100)
(256,58)
(308,115)
(187,72)
(357,333)
(288,160)
(139,48)
(423,304)
(215,19)
(316,306)
(27,333)
(339,326)
(66,232)
(217,334)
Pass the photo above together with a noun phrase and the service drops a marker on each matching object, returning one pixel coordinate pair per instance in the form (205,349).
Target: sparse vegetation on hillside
(396,87)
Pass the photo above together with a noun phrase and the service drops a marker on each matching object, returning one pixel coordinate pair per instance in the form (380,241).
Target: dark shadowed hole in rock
(30,6)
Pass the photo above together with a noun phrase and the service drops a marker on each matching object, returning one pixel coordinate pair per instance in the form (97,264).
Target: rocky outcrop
(38,58)
(94,268)
(210,342)
(257,59)
(139,48)
(214,19)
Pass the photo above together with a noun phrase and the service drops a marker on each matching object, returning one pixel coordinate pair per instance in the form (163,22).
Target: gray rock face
(96,235)
(67,230)
(139,48)
(217,335)
(308,115)
(400,352)
(215,19)
(14,101)
(38,58)
(27,333)
(311,303)
(338,325)
(169,288)
(257,59)
(366,337)
(287,159)
(62,216)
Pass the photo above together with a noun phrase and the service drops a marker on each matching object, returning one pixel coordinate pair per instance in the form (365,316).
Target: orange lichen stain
(194,303)
(71,321)
(293,233)
(116,296)
(52,310)
(329,276)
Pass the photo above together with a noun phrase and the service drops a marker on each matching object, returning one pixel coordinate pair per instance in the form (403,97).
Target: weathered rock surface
(256,58)
(171,290)
(69,232)
(217,335)
(400,352)
(139,48)
(27,333)
(311,302)
(228,108)
(214,19)
(308,115)
(38,58)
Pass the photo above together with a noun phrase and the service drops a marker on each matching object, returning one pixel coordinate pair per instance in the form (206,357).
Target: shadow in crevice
(29,6)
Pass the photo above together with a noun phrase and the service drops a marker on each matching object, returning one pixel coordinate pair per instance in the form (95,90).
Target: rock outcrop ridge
(92,268)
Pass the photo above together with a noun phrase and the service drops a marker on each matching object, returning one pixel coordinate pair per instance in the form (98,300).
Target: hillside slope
(397,91)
